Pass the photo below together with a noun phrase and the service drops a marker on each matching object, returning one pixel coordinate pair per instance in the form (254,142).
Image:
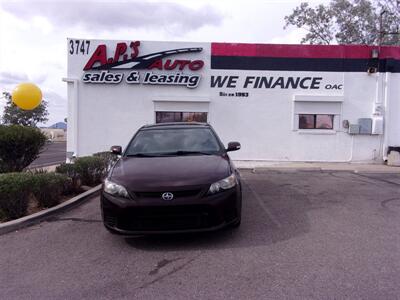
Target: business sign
(240,69)
(157,68)
(244,84)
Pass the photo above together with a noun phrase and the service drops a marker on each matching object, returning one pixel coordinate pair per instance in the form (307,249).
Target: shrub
(86,170)
(19,146)
(70,171)
(15,189)
(91,169)
(48,187)
(37,171)
(108,157)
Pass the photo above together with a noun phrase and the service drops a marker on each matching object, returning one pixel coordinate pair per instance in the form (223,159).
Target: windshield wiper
(179,152)
(141,155)
(183,152)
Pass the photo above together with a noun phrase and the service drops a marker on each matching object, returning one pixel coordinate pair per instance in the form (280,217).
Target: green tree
(348,22)
(13,115)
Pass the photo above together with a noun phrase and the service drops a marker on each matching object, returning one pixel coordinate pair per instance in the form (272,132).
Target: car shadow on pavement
(272,211)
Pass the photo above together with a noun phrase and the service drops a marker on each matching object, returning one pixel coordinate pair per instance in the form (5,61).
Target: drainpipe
(350,159)
(75,117)
(387,117)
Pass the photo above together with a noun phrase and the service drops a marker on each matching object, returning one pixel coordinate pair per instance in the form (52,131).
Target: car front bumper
(208,213)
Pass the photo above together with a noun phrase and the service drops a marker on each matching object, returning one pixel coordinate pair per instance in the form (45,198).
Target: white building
(54,134)
(281,102)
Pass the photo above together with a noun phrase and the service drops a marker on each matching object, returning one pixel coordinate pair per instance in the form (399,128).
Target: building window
(174,116)
(311,121)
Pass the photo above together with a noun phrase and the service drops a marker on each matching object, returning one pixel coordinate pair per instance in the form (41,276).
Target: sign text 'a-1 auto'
(160,68)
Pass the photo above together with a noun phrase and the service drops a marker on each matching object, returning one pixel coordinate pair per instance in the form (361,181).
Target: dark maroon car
(172,177)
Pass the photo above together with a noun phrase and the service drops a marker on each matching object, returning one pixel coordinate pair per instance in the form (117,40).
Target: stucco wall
(264,122)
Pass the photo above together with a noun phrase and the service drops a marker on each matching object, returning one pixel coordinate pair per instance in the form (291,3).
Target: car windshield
(181,141)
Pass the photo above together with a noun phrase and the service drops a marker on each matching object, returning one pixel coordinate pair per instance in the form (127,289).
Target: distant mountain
(59,125)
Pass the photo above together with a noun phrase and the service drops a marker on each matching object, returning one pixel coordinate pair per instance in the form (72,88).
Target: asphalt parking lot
(52,154)
(304,235)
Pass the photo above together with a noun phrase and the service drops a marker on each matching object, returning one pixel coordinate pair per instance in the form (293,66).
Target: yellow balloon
(27,96)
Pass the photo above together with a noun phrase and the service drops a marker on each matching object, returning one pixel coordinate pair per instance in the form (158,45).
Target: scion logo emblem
(167,196)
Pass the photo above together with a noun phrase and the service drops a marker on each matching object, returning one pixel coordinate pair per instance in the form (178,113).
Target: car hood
(152,173)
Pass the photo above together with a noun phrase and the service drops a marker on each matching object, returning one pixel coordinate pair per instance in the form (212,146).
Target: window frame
(182,115)
(315,116)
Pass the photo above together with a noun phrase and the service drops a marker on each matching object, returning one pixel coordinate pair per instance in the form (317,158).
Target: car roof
(175,125)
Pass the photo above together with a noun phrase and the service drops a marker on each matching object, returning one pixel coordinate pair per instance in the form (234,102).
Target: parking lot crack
(162,263)
(173,271)
(336,175)
(378,179)
(387,201)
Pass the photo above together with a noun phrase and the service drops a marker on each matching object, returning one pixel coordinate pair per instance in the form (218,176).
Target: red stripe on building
(303,51)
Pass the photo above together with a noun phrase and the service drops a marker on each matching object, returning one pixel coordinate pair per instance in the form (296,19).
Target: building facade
(314,103)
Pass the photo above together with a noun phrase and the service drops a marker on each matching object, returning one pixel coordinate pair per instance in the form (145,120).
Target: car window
(169,141)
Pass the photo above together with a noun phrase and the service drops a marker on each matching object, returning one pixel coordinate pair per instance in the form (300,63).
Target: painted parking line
(262,205)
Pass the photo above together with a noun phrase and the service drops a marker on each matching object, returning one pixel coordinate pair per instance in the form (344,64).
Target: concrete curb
(43,215)
(327,169)
(318,167)
(46,165)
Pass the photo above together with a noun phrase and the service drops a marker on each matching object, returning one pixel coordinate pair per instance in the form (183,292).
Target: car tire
(238,221)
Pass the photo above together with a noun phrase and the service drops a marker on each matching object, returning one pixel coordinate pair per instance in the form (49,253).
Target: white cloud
(33,34)
(94,16)
(57,106)
(42,24)
(11,78)
(293,36)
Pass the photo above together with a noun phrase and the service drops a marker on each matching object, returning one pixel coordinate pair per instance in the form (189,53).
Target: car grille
(177,194)
(168,222)
(167,218)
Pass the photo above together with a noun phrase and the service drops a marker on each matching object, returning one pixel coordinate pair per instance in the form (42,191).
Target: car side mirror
(233,146)
(116,150)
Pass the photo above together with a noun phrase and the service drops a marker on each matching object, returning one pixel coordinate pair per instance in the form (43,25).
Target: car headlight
(115,189)
(223,184)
